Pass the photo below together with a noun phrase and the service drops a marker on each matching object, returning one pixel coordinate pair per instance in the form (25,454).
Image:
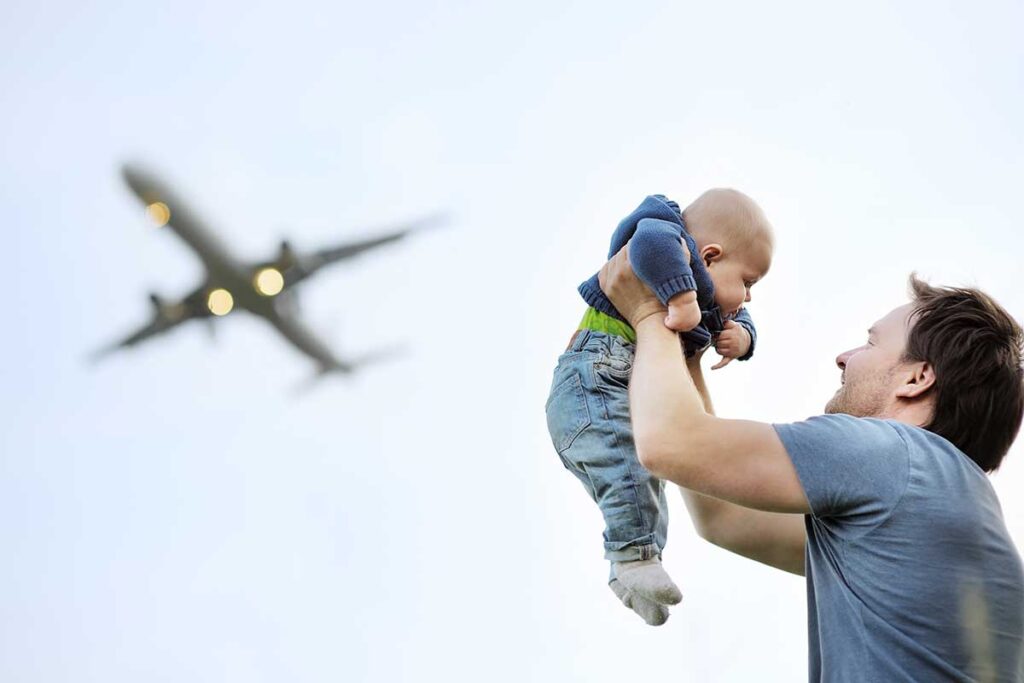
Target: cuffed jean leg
(588,418)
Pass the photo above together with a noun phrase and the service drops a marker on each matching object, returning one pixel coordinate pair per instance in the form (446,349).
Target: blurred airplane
(264,288)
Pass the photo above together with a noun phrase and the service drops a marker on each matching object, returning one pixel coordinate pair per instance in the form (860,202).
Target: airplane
(264,288)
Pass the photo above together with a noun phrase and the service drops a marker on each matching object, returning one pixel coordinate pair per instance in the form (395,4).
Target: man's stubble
(864,397)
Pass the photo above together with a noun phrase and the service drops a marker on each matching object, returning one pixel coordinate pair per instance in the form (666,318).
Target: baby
(730,246)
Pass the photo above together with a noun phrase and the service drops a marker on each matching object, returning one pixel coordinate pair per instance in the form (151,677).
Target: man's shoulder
(848,429)
(849,466)
(931,453)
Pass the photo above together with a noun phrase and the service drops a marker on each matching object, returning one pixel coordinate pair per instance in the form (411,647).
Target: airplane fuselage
(224,271)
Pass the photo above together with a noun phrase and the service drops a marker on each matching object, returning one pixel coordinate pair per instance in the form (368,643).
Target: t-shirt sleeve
(852,469)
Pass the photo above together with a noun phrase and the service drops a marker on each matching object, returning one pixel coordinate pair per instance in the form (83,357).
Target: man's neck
(915,414)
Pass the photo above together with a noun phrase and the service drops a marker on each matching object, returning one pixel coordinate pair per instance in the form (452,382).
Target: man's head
(949,361)
(735,241)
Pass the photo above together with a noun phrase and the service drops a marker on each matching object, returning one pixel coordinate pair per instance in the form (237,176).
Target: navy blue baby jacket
(656,228)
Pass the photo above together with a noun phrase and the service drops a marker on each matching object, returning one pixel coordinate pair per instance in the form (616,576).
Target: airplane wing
(167,209)
(304,340)
(304,266)
(292,328)
(166,316)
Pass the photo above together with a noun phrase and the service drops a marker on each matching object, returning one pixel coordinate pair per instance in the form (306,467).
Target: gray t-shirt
(911,573)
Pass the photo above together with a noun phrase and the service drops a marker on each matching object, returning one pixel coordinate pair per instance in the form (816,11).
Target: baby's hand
(683,312)
(733,342)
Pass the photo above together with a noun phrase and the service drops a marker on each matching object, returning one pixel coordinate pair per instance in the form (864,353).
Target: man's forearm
(670,423)
(667,409)
(708,513)
(767,537)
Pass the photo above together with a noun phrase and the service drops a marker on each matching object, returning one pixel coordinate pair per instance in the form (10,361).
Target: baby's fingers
(730,335)
(722,363)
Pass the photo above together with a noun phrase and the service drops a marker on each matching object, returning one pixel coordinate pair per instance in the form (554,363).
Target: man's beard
(866,397)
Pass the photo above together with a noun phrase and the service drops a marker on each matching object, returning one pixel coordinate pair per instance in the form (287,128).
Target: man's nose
(843,357)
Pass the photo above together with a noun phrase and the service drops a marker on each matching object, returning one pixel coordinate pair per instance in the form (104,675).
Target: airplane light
(269,281)
(220,302)
(159,213)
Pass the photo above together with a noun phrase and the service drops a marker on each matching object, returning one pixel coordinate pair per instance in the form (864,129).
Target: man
(883,503)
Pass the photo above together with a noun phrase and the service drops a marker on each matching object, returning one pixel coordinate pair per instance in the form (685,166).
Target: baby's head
(735,242)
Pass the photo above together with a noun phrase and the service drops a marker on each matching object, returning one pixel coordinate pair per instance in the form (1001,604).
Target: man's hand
(628,294)
(733,342)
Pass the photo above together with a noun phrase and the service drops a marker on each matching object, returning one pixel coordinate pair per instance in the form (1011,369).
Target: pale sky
(177,514)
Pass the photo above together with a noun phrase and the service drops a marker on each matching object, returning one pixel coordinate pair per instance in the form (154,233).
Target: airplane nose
(132,177)
(142,184)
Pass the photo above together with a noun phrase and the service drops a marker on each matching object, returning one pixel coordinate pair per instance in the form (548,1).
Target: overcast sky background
(177,514)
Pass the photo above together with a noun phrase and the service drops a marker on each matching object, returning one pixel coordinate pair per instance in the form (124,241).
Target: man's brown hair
(974,348)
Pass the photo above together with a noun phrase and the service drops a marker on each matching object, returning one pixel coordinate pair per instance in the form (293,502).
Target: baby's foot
(648,579)
(683,312)
(654,613)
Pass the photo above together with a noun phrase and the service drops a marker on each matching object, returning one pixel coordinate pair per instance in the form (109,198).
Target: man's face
(869,371)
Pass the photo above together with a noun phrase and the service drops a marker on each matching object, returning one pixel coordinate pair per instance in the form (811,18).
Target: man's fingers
(612,267)
(604,275)
(722,363)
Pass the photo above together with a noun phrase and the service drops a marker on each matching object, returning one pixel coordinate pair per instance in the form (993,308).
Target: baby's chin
(726,313)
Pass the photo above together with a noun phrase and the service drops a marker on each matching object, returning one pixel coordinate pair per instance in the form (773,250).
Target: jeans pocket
(567,412)
(614,370)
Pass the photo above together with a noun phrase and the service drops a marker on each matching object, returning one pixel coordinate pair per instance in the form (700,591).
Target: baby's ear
(710,253)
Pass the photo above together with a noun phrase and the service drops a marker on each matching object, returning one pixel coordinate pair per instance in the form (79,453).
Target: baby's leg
(588,417)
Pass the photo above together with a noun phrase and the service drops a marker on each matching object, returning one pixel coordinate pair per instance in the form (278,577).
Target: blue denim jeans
(588,419)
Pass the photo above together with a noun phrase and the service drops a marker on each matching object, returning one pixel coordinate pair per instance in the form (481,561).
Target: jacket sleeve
(657,257)
(743,318)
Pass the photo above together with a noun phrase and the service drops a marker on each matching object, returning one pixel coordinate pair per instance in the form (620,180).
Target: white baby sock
(648,579)
(652,612)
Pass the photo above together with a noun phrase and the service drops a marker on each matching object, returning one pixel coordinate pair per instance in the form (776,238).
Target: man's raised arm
(738,461)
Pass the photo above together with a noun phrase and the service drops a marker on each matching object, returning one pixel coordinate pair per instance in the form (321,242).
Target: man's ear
(710,253)
(918,382)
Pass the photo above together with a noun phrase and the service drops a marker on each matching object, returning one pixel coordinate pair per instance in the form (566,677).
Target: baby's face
(734,274)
